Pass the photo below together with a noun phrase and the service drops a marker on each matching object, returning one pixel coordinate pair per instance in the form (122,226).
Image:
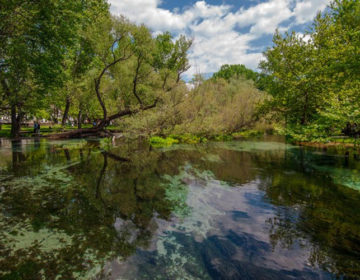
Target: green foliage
(228,72)
(35,41)
(51,53)
(157,141)
(105,143)
(213,107)
(314,83)
(188,138)
(247,133)
(223,137)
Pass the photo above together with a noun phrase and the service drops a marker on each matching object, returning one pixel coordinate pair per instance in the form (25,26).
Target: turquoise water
(257,209)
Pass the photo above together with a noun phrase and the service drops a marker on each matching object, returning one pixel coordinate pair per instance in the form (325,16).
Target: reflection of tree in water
(313,208)
(66,216)
(215,257)
(17,154)
(67,209)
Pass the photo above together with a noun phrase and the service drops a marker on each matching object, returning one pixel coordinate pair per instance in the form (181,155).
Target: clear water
(235,210)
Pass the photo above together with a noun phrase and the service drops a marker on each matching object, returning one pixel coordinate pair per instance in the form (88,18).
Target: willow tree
(137,69)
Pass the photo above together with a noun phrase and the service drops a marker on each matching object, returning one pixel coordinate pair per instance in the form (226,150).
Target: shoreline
(323,145)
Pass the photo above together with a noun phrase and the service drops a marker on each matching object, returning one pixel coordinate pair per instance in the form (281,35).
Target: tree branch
(128,112)
(98,79)
(136,78)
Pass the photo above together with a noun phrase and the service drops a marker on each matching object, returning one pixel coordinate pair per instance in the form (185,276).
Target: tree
(294,82)
(139,67)
(81,57)
(35,37)
(170,58)
(315,82)
(235,71)
(336,37)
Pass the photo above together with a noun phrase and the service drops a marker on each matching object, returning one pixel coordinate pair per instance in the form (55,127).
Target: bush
(247,133)
(213,108)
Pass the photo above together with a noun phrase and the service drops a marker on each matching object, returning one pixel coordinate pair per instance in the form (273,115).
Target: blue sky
(224,31)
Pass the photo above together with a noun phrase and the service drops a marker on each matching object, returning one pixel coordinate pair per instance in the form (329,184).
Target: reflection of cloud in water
(225,236)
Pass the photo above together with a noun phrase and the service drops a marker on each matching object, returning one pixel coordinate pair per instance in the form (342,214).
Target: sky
(224,31)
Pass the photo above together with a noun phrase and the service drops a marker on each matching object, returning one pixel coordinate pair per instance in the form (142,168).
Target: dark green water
(234,210)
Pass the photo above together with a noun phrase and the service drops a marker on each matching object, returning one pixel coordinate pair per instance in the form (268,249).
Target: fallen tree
(100,130)
(146,59)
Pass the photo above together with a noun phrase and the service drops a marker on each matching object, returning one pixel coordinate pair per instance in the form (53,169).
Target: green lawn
(45,129)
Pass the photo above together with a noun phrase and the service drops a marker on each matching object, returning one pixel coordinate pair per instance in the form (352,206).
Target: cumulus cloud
(306,10)
(215,28)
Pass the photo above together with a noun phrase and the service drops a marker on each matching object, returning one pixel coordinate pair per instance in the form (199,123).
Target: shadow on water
(237,210)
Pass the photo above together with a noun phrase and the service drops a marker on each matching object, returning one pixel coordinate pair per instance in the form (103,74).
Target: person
(35,127)
(38,128)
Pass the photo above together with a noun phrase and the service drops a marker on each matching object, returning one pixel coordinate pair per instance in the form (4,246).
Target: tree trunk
(67,154)
(55,116)
(15,122)
(66,111)
(79,119)
(305,108)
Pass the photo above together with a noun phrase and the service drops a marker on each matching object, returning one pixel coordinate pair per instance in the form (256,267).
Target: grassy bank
(5,131)
(45,130)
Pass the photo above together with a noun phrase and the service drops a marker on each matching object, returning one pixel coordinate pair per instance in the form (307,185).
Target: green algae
(72,144)
(176,260)
(346,177)
(50,176)
(212,158)
(251,146)
(176,192)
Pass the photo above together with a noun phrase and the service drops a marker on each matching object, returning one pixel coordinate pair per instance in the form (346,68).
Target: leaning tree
(132,70)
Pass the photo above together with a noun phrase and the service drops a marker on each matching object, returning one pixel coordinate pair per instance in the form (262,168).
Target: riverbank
(334,143)
(46,130)
(344,145)
(188,138)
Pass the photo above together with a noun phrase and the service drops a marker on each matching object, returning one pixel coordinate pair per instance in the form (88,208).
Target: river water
(258,209)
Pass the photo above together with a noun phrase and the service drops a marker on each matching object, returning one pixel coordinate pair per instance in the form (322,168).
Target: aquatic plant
(157,141)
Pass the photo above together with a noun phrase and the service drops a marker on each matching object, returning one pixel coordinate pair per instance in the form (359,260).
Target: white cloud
(264,17)
(305,37)
(306,10)
(214,28)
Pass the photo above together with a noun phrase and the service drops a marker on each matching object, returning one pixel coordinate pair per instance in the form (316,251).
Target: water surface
(257,209)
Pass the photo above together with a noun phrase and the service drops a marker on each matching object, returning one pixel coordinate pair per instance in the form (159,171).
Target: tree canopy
(74,58)
(314,79)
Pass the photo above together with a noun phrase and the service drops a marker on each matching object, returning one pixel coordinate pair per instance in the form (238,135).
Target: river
(252,209)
